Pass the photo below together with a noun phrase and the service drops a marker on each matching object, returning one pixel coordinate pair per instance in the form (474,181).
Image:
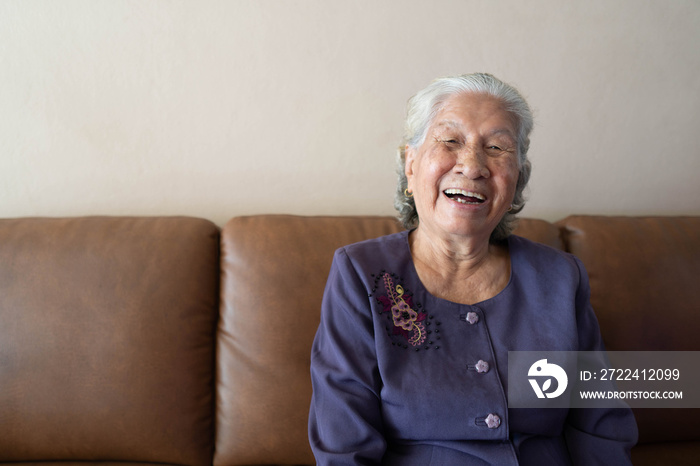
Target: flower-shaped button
(472,317)
(492,421)
(482,366)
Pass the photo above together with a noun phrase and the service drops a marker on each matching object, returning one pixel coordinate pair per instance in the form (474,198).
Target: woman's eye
(494,147)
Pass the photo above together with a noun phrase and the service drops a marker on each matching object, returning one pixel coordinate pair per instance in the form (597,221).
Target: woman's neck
(464,270)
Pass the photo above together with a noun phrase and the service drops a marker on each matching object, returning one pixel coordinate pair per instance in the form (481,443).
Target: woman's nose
(472,163)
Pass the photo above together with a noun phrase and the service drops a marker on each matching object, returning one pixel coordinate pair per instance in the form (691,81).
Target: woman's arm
(345,422)
(597,436)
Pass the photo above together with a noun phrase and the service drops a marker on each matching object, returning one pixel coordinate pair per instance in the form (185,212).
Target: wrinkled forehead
(450,124)
(466,112)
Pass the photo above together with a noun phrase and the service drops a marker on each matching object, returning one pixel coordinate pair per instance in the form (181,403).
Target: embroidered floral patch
(409,321)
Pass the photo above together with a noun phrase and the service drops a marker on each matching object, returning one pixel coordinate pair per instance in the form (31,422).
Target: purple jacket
(403,377)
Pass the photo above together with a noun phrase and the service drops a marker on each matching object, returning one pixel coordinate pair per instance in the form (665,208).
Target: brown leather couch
(171,341)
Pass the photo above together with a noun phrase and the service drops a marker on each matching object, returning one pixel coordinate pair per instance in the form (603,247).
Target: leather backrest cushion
(540,231)
(107,339)
(274,270)
(643,273)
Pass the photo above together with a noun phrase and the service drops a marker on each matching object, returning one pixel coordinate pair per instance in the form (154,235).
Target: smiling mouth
(464,197)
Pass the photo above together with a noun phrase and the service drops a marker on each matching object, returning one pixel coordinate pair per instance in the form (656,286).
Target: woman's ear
(410,157)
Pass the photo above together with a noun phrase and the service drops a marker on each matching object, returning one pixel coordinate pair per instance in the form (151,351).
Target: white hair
(421,111)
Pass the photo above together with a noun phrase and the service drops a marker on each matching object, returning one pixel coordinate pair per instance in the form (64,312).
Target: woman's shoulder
(383,245)
(542,257)
(382,252)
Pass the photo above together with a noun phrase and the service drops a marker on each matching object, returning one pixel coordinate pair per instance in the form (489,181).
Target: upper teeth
(465,193)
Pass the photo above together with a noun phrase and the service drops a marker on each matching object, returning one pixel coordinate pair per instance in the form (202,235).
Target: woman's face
(464,174)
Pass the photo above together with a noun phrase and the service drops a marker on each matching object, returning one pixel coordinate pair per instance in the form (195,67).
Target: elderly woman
(409,365)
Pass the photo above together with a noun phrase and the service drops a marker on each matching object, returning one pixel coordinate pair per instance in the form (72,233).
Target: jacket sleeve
(345,422)
(596,436)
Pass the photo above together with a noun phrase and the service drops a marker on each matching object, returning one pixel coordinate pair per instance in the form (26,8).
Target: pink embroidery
(407,321)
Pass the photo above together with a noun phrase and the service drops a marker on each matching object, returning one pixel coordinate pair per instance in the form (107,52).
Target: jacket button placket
(473,319)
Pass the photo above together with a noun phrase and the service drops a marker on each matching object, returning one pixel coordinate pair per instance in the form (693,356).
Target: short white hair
(421,111)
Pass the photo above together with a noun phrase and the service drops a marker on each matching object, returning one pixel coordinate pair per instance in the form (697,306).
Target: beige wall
(216,109)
